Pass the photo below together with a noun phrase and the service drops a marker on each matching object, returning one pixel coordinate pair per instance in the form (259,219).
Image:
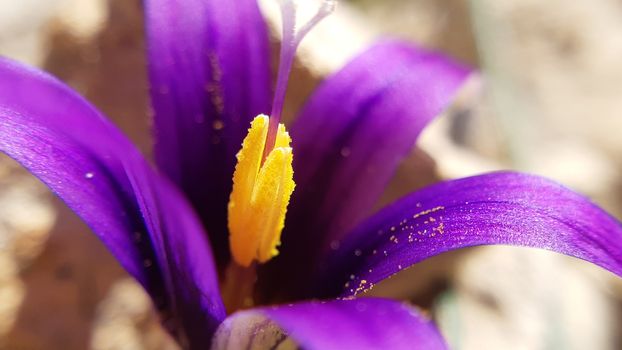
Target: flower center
(260,194)
(263,177)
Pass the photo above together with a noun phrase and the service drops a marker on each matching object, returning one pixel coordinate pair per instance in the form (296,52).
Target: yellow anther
(260,195)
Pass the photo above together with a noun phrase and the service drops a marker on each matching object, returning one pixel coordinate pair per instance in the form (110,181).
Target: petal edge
(504,208)
(367,323)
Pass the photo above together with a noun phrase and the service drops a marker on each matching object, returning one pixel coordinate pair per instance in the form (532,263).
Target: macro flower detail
(261,192)
(177,229)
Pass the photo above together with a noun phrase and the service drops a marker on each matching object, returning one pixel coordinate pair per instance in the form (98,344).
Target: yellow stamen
(260,195)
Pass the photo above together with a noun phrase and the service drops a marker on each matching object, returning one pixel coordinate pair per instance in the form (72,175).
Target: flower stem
(238,287)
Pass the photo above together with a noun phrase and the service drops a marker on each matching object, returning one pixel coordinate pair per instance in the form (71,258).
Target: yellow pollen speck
(260,195)
(218,125)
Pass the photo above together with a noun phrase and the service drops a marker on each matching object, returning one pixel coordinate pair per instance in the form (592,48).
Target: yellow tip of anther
(260,195)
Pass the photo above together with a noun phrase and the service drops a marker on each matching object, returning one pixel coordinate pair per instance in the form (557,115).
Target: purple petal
(499,208)
(87,162)
(353,133)
(39,115)
(210,75)
(339,324)
(183,255)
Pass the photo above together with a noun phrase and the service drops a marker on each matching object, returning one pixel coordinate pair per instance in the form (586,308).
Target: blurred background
(547,101)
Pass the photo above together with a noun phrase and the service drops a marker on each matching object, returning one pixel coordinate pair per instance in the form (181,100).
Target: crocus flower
(210,76)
